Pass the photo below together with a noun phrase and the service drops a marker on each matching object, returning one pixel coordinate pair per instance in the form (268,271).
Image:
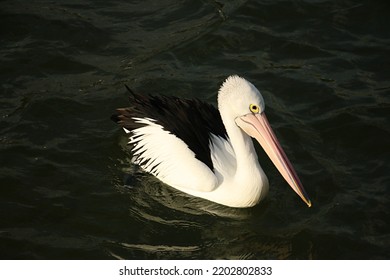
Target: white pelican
(188,145)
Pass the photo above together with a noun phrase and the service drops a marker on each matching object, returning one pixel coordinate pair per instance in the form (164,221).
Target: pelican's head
(242,101)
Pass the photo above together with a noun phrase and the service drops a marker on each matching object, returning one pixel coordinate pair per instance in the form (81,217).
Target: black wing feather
(191,120)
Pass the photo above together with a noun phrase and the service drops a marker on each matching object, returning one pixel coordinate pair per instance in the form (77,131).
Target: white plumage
(175,162)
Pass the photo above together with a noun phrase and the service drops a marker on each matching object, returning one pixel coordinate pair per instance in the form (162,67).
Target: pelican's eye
(254,108)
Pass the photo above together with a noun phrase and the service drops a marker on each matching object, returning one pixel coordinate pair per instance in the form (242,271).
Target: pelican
(189,145)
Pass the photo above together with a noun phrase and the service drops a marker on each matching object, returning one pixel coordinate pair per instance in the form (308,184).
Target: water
(68,190)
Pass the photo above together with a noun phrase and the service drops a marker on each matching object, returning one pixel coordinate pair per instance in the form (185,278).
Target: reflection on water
(68,188)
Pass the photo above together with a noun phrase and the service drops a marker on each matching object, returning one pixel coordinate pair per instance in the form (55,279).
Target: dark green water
(67,188)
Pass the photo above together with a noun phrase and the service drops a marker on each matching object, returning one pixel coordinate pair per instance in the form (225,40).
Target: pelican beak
(258,127)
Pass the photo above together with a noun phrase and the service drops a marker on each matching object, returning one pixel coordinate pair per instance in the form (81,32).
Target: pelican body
(197,149)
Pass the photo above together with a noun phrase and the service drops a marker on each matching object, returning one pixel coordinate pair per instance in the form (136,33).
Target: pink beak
(258,127)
